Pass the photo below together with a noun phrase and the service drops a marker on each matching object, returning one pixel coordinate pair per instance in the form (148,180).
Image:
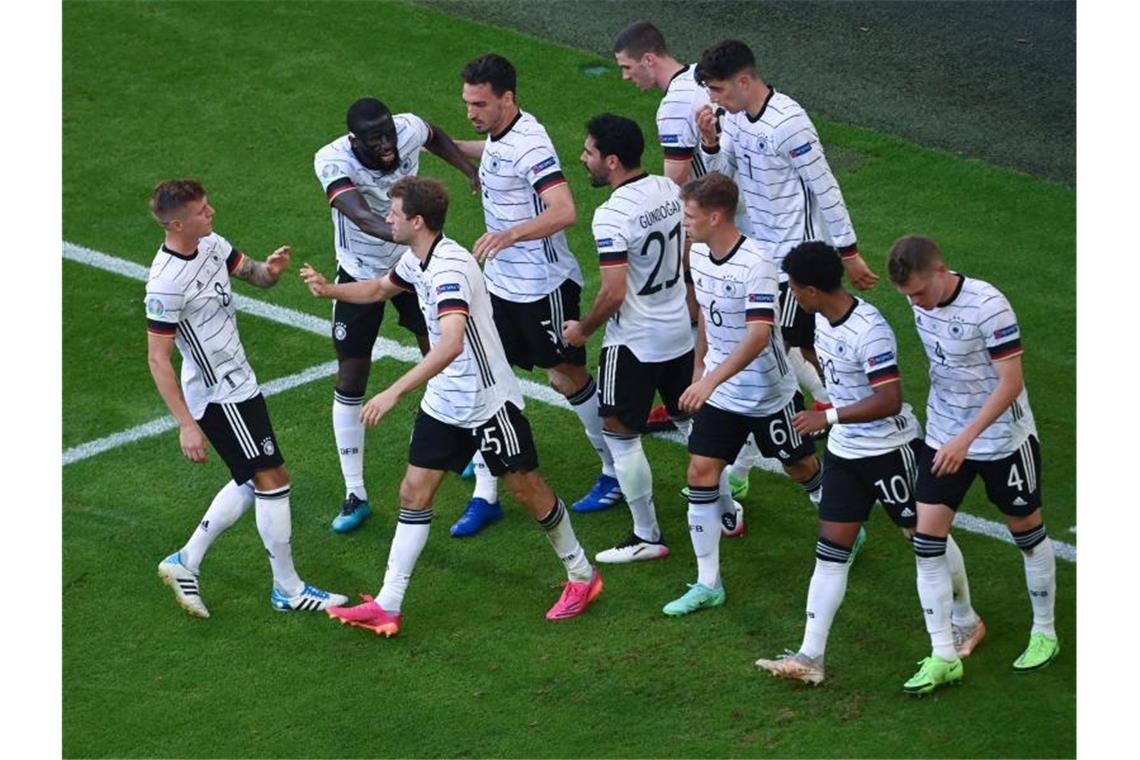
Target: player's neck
(757,97)
(509,116)
(667,69)
(835,306)
(723,240)
(423,243)
(183,244)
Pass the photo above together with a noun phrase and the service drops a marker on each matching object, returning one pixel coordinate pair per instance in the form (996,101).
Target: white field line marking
(386,348)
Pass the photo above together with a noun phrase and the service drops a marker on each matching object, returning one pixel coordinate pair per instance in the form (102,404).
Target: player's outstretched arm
(361,291)
(756,338)
(353,205)
(443,146)
(263,274)
(472,149)
(1011,381)
(191,439)
(559,214)
(610,296)
(446,350)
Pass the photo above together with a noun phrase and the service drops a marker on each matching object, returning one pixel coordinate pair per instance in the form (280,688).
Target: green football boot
(1041,651)
(739,486)
(698,597)
(860,539)
(934,672)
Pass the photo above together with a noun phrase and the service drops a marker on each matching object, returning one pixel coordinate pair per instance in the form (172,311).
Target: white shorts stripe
(241,432)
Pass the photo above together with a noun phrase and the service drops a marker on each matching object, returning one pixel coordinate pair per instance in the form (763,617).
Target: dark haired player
(189,304)
(356,171)
(533,277)
(872,451)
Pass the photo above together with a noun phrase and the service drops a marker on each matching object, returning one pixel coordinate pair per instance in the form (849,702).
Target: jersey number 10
(651,285)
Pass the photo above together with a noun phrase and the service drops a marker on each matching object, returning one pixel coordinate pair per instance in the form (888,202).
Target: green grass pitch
(241,94)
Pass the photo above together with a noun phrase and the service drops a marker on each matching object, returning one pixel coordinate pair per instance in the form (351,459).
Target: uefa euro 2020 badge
(154,307)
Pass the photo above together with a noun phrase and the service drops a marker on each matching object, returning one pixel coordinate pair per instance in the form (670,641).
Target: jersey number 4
(651,285)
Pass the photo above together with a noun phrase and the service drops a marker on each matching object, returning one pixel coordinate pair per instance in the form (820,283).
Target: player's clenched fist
(706,122)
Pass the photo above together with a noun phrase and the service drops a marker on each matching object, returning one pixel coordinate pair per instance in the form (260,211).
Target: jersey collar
(763,107)
(178,255)
(730,254)
(674,77)
(957,290)
(847,314)
(427,259)
(508,128)
(631,180)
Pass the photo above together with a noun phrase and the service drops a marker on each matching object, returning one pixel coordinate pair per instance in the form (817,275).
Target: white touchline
(384,348)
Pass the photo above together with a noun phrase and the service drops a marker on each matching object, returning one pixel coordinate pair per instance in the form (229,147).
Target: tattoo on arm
(254,272)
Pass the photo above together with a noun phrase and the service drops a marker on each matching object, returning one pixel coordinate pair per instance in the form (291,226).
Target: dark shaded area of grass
(989,80)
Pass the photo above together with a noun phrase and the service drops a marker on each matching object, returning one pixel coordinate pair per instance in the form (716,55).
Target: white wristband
(832,415)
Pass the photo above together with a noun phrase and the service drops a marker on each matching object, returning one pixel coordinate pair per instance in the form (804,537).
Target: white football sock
(228,505)
(725,503)
(684,427)
(585,404)
(411,536)
(560,533)
(962,610)
(935,593)
(636,481)
(276,529)
(747,458)
(486,484)
(349,433)
(1040,577)
(825,594)
(704,532)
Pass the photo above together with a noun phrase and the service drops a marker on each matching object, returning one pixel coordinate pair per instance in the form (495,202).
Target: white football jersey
(639,227)
(339,170)
(479,381)
(963,337)
(785,181)
(738,289)
(856,354)
(190,298)
(677,118)
(518,165)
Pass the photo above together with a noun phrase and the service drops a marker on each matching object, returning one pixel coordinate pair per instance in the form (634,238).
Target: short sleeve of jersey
(879,353)
(538,165)
(452,292)
(403,275)
(761,299)
(334,173)
(164,300)
(420,131)
(999,328)
(610,238)
(676,131)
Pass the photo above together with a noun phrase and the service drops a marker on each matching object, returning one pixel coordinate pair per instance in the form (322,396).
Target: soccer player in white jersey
(978,424)
(533,277)
(872,452)
(472,402)
(741,380)
(356,172)
(769,144)
(648,345)
(189,304)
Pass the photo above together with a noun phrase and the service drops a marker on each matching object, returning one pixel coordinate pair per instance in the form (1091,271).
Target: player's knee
(804,469)
(414,494)
(567,379)
(271,479)
(702,472)
(528,489)
(352,375)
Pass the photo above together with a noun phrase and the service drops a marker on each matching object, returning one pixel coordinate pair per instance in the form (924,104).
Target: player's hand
(278,261)
(193,442)
(696,395)
(316,281)
(706,122)
(859,273)
(572,333)
(809,422)
(476,185)
(377,406)
(491,243)
(948,459)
